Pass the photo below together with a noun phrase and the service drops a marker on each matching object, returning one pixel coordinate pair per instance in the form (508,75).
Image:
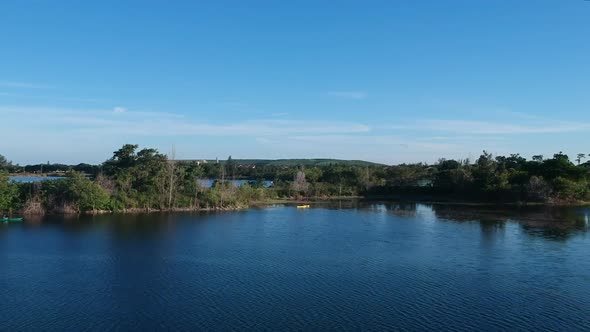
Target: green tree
(570,190)
(123,158)
(485,172)
(84,194)
(139,177)
(8,193)
(406,175)
(189,187)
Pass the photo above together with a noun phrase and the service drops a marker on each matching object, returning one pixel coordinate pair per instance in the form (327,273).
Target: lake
(342,266)
(29,179)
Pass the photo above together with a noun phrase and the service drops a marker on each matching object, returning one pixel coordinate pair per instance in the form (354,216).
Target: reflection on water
(551,222)
(554,223)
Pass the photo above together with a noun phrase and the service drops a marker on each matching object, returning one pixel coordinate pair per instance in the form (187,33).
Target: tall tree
(4,163)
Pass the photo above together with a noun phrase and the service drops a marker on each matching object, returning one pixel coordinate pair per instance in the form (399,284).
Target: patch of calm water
(347,267)
(29,179)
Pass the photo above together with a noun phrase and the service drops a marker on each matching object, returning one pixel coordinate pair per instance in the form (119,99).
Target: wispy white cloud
(263,140)
(95,133)
(119,110)
(170,127)
(78,135)
(12,95)
(30,96)
(22,85)
(355,95)
(132,123)
(373,140)
(229,104)
(493,128)
(479,138)
(379,148)
(279,114)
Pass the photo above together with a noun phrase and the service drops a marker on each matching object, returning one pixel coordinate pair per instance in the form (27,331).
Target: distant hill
(300,162)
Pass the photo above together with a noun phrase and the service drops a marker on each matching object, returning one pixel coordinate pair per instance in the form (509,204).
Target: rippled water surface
(348,267)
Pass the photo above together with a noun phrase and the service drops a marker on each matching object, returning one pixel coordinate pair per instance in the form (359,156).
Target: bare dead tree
(106,183)
(171,175)
(300,185)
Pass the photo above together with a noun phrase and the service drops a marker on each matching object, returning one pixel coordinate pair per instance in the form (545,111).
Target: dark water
(348,267)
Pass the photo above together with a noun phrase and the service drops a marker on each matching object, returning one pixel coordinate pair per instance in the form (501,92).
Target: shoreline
(133,211)
(312,202)
(43,175)
(423,200)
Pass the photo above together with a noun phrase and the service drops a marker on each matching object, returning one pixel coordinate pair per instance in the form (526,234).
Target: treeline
(47,168)
(146,180)
(489,179)
(301,162)
(58,168)
(501,178)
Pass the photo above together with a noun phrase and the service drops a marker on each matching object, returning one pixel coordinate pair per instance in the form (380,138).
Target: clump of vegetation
(506,179)
(8,193)
(147,180)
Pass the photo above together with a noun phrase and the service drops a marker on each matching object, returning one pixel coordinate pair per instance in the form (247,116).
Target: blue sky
(386,81)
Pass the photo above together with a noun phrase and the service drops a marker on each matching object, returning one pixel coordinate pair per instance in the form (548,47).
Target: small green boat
(11,219)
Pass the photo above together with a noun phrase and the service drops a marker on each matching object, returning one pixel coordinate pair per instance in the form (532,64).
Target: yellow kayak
(303,206)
